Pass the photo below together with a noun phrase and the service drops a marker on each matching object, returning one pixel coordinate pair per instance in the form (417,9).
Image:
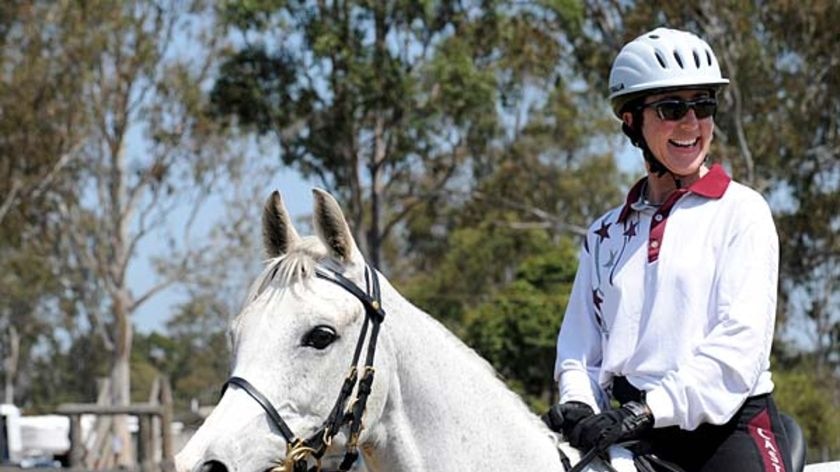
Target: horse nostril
(213,466)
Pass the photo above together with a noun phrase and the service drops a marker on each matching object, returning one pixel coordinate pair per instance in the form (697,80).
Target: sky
(152,315)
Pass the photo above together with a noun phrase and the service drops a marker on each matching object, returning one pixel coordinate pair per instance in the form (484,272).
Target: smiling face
(680,145)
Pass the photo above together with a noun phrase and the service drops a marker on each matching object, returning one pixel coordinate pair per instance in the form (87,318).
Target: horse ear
(278,232)
(332,228)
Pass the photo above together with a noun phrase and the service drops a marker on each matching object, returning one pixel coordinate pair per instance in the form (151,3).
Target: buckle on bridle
(297,453)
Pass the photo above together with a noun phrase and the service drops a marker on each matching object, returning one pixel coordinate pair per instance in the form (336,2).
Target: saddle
(796,442)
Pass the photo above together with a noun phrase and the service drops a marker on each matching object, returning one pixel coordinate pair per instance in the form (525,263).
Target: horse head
(308,318)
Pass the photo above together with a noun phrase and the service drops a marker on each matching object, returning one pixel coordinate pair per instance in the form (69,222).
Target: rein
(644,462)
(298,450)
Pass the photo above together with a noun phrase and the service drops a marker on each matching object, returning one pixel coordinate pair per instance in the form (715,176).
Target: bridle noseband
(298,449)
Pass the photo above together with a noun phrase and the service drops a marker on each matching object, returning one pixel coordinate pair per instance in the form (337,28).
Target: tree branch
(10,198)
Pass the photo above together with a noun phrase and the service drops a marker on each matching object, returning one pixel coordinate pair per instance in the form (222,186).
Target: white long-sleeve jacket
(680,299)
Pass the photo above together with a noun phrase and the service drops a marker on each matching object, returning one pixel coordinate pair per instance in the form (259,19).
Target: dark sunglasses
(673,109)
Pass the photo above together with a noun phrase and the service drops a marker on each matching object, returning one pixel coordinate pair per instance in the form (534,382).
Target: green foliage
(196,364)
(516,329)
(68,375)
(249,14)
(196,353)
(255,87)
(553,270)
(465,90)
(479,260)
(813,401)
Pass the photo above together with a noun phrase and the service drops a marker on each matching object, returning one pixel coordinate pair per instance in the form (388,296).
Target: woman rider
(672,311)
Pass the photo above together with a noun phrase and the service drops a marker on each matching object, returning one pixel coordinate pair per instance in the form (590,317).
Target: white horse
(435,405)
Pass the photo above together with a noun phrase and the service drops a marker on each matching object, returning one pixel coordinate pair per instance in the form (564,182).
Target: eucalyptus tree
(146,160)
(41,128)
(388,104)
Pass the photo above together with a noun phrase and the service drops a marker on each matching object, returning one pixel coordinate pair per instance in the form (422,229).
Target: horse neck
(446,408)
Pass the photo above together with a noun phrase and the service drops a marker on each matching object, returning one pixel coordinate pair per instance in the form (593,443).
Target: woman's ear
(627,118)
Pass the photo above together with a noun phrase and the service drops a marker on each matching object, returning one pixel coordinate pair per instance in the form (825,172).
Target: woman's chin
(685,162)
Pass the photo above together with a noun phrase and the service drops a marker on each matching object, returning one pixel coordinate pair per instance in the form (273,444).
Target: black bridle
(298,450)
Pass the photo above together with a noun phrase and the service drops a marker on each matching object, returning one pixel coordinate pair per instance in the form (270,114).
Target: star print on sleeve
(611,261)
(629,232)
(631,229)
(604,231)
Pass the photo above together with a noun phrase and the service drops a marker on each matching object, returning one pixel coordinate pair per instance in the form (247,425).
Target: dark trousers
(754,440)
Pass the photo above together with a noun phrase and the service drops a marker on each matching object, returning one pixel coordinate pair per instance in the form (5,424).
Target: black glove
(563,417)
(605,429)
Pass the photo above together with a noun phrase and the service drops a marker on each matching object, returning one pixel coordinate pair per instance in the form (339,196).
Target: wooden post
(95,456)
(76,444)
(168,455)
(144,412)
(145,453)
(155,434)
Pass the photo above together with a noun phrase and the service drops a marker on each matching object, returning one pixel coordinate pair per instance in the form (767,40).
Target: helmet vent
(654,36)
(696,59)
(679,59)
(661,60)
(709,57)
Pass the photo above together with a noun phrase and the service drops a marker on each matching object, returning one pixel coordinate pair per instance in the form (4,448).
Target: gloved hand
(563,417)
(605,429)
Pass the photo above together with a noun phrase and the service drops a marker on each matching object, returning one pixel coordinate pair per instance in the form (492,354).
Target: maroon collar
(711,185)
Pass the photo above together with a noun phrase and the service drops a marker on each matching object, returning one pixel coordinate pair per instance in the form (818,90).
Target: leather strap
(265,404)
(372,302)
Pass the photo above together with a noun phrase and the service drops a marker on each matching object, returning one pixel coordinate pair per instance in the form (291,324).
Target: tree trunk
(10,364)
(121,379)
(379,155)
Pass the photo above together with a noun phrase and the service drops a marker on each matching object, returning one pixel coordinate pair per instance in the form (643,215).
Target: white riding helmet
(659,60)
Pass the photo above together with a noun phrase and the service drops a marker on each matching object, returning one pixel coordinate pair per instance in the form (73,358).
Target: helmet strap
(653,163)
(637,138)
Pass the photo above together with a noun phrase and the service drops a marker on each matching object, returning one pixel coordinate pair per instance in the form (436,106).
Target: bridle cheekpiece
(299,450)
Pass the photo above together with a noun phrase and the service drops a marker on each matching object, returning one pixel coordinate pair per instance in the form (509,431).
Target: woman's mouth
(684,143)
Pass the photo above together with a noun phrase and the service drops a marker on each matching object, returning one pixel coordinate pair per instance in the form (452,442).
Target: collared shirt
(680,299)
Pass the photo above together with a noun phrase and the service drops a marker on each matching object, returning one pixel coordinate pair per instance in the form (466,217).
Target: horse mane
(469,354)
(296,265)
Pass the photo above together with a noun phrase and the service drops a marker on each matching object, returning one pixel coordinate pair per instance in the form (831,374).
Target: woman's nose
(690,119)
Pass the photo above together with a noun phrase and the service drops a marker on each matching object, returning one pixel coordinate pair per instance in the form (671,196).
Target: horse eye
(319,337)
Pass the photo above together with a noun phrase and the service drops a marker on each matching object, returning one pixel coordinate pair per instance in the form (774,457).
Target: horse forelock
(296,265)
